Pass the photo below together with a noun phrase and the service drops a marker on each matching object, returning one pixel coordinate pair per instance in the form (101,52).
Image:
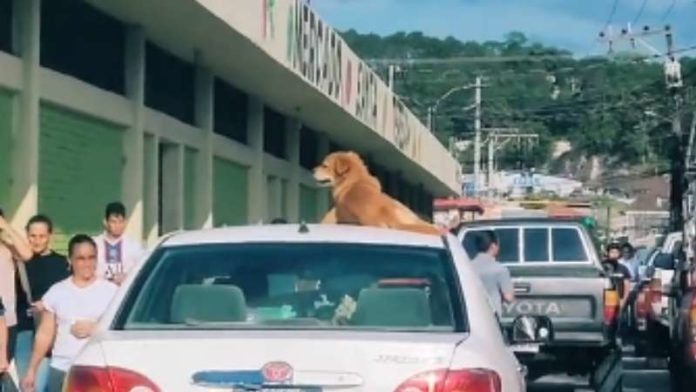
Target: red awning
(564,212)
(466,204)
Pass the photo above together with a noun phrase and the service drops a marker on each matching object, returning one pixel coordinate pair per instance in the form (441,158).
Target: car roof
(522,221)
(293,233)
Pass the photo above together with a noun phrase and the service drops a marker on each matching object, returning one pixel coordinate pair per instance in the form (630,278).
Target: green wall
(80,166)
(5,148)
(190,186)
(309,198)
(230,193)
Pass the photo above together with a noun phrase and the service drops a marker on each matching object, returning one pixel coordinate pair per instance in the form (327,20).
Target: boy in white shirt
(116,252)
(72,308)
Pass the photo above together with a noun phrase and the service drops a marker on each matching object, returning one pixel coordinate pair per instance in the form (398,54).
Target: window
(230,113)
(274,133)
(567,245)
(509,245)
(309,148)
(169,84)
(6,26)
(507,239)
(257,286)
(536,245)
(81,41)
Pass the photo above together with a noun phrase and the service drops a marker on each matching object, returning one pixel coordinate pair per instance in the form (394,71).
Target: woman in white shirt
(73,307)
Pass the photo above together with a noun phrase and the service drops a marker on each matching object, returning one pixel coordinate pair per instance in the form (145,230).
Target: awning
(462,203)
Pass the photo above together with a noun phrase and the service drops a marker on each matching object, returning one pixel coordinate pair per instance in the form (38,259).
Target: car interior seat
(392,307)
(211,303)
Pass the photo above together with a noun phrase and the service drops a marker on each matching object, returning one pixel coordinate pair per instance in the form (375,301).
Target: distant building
(647,215)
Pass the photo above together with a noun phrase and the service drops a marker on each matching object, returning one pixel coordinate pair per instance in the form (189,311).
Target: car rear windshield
(305,286)
(541,244)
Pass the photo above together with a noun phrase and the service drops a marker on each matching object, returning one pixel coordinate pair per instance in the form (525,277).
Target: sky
(570,24)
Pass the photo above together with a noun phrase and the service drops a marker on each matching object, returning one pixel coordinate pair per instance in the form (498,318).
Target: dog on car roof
(358,197)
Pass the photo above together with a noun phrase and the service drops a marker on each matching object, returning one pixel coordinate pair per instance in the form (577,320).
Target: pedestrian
(4,353)
(613,266)
(44,269)
(72,308)
(629,259)
(12,248)
(116,252)
(495,276)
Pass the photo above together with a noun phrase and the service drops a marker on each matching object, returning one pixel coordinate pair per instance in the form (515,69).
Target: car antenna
(303,228)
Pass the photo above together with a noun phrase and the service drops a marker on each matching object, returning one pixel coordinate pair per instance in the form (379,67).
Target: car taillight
(643,303)
(611,306)
(108,379)
(656,291)
(692,326)
(443,380)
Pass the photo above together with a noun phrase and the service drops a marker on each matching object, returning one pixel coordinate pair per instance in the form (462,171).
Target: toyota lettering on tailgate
(532,307)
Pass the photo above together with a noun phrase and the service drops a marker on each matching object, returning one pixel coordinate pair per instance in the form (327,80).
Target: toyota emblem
(277,372)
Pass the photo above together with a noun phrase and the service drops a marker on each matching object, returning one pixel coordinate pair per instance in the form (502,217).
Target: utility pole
(673,84)
(497,139)
(477,137)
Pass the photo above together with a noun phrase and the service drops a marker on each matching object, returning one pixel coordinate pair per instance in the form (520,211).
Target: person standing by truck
(495,277)
(613,265)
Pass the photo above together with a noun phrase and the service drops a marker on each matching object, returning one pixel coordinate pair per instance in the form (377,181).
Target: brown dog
(358,197)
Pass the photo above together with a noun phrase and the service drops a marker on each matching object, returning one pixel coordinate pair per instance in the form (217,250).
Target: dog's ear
(341,165)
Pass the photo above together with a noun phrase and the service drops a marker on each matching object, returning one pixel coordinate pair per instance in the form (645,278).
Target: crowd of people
(50,303)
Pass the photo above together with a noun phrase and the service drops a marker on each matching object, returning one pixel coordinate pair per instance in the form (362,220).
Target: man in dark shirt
(613,266)
(44,270)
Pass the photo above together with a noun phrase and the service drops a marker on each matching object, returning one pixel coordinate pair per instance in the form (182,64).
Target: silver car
(303,309)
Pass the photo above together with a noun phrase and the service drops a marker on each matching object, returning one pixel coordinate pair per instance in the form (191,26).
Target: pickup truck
(557,273)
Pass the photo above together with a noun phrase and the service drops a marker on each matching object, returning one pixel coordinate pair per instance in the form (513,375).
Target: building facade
(194,113)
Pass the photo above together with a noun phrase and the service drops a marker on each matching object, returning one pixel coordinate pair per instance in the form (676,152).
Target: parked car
(557,273)
(300,308)
(653,307)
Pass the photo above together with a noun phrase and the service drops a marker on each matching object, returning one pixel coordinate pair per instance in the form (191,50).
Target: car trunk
(320,360)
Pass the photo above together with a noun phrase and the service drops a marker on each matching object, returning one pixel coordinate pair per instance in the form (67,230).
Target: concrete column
(133,142)
(292,201)
(173,187)
(324,196)
(257,178)
(204,118)
(24,196)
(152,172)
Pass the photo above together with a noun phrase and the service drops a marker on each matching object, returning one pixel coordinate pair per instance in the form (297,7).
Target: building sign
(314,49)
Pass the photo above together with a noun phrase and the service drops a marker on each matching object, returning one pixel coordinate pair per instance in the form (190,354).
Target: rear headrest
(208,303)
(392,307)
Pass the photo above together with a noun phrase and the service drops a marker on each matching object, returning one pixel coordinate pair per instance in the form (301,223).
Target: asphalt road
(638,376)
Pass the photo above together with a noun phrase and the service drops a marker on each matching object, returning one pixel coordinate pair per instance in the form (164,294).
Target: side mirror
(664,261)
(531,329)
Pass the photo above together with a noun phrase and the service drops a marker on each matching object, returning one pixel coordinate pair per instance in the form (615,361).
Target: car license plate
(525,348)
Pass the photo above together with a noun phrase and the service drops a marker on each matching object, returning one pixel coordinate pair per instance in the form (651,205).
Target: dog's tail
(420,228)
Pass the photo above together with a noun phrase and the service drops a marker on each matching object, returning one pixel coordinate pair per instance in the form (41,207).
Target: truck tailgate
(572,296)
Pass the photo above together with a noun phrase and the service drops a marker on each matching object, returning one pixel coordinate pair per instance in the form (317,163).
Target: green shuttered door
(190,188)
(80,165)
(230,193)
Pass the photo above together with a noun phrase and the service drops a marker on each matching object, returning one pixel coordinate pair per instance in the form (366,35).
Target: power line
(640,12)
(669,10)
(474,59)
(611,14)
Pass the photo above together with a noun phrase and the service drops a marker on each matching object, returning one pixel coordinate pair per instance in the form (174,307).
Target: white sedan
(302,309)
